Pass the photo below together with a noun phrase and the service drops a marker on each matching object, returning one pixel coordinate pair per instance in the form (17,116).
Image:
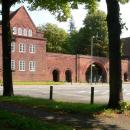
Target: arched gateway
(96,73)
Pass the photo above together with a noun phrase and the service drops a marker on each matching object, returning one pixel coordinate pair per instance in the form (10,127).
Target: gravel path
(78,121)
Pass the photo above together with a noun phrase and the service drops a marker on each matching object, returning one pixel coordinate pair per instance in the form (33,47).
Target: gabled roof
(13,13)
(22,7)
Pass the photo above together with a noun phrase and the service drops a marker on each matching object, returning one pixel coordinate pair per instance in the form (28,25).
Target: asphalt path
(70,92)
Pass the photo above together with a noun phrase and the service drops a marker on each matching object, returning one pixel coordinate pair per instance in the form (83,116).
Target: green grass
(53,105)
(13,121)
(37,83)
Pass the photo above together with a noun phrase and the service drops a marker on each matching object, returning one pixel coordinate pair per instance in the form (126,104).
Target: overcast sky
(43,17)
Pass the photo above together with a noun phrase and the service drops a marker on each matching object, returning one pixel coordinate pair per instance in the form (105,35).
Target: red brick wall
(38,57)
(61,62)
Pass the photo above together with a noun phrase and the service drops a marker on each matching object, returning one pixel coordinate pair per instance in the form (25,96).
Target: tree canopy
(94,25)
(56,37)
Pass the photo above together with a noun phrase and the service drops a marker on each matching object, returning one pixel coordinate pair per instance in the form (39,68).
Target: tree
(114,31)
(56,37)
(94,25)
(6,47)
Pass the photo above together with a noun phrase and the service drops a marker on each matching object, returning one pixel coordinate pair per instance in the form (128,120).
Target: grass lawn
(13,121)
(16,121)
(36,83)
(53,105)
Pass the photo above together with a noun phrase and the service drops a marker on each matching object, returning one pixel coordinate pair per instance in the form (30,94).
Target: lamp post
(92,56)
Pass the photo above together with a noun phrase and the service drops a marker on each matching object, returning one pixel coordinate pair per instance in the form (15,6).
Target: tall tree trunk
(114,31)
(6,48)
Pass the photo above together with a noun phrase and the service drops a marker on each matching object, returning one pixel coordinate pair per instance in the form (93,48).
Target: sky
(42,17)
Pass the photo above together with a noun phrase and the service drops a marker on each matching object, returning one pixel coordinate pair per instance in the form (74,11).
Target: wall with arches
(78,66)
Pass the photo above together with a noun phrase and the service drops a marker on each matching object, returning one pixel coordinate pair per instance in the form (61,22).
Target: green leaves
(56,37)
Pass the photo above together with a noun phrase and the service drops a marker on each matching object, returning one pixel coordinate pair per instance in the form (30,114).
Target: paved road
(70,93)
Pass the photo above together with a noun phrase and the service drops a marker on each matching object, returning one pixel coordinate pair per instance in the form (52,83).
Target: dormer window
(14,30)
(25,32)
(19,31)
(30,33)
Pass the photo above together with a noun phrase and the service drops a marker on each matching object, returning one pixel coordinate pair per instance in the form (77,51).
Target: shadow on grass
(73,115)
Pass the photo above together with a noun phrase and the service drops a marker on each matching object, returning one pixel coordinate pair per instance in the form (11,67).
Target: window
(32,65)
(14,30)
(12,64)
(32,48)
(25,32)
(21,65)
(19,31)
(13,46)
(22,47)
(30,33)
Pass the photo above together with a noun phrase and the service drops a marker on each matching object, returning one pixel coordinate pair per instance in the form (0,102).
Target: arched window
(25,33)
(14,30)
(30,33)
(19,31)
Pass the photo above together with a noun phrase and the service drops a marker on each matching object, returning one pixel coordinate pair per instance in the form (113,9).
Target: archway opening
(125,77)
(96,74)
(55,75)
(68,76)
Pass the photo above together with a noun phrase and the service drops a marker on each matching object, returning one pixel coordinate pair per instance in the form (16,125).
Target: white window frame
(14,30)
(20,31)
(13,67)
(13,46)
(30,32)
(22,47)
(32,66)
(32,48)
(25,32)
(21,65)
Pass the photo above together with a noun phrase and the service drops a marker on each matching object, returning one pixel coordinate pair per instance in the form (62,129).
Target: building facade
(31,62)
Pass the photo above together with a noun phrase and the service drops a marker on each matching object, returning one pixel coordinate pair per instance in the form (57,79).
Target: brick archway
(56,75)
(98,72)
(68,75)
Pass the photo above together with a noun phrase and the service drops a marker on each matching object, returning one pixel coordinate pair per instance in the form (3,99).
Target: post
(51,92)
(92,95)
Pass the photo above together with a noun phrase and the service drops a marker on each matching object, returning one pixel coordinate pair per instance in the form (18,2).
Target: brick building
(31,62)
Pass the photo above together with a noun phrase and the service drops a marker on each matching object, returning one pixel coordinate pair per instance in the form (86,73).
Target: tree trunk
(114,31)
(6,49)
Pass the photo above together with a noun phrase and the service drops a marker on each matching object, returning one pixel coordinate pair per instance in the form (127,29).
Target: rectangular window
(21,65)
(32,48)
(22,47)
(14,30)
(12,64)
(13,46)
(32,66)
